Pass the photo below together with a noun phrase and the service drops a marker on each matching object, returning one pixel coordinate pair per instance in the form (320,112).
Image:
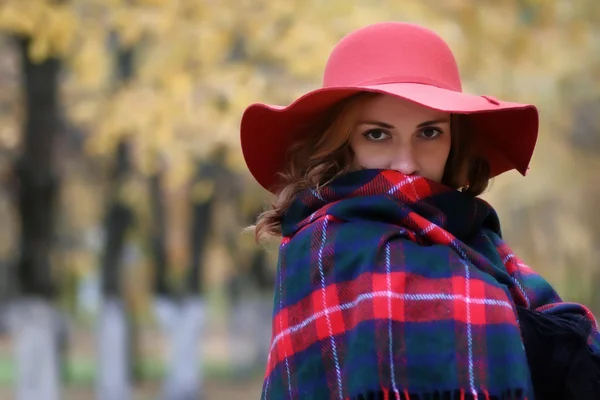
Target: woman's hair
(324,153)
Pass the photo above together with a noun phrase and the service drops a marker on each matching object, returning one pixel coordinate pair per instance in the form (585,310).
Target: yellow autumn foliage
(199,63)
(183,47)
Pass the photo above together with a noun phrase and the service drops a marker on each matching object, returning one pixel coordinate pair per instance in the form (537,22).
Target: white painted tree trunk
(263,326)
(250,333)
(184,326)
(113,371)
(34,325)
(167,314)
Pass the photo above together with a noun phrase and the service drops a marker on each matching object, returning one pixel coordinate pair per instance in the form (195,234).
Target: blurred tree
(36,321)
(119,225)
(251,287)
(585,135)
(158,229)
(118,220)
(37,176)
(202,197)
(114,329)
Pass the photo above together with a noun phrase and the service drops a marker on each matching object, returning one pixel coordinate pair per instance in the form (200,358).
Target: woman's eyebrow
(377,123)
(433,122)
(421,125)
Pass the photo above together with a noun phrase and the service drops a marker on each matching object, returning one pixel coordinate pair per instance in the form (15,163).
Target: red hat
(398,59)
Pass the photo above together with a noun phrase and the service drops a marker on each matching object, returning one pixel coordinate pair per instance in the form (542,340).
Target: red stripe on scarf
(366,299)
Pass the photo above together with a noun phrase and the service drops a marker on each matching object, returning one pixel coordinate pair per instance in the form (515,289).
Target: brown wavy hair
(324,153)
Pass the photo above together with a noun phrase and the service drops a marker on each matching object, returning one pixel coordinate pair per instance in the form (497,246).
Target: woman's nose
(403,160)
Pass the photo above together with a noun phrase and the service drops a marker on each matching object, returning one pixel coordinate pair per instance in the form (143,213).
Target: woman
(393,280)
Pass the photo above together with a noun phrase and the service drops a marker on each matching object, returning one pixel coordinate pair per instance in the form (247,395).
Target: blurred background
(123,191)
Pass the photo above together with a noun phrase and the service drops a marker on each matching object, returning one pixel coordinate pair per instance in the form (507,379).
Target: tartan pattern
(401,285)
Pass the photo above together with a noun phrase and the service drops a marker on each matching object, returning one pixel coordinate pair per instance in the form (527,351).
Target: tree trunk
(184,375)
(183,321)
(251,294)
(34,319)
(113,351)
(34,323)
(117,332)
(201,202)
(158,236)
(114,342)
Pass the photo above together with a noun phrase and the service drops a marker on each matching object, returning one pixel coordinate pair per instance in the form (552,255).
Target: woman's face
(392,133)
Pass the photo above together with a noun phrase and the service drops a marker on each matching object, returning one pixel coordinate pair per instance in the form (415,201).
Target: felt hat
(398,59)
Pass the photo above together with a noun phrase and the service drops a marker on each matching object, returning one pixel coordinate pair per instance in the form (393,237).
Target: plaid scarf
(399,285)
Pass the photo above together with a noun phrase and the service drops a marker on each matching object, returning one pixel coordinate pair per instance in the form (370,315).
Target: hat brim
(507,131)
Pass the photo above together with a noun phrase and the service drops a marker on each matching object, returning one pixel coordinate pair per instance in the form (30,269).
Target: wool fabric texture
(399,285)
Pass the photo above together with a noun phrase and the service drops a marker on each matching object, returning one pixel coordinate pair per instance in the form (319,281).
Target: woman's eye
(376,135)
(430,133)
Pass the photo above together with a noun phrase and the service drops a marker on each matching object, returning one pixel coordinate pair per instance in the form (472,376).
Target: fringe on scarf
(450,395)
(561,363)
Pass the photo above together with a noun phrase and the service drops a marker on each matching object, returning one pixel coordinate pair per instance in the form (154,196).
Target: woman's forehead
(391,106)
